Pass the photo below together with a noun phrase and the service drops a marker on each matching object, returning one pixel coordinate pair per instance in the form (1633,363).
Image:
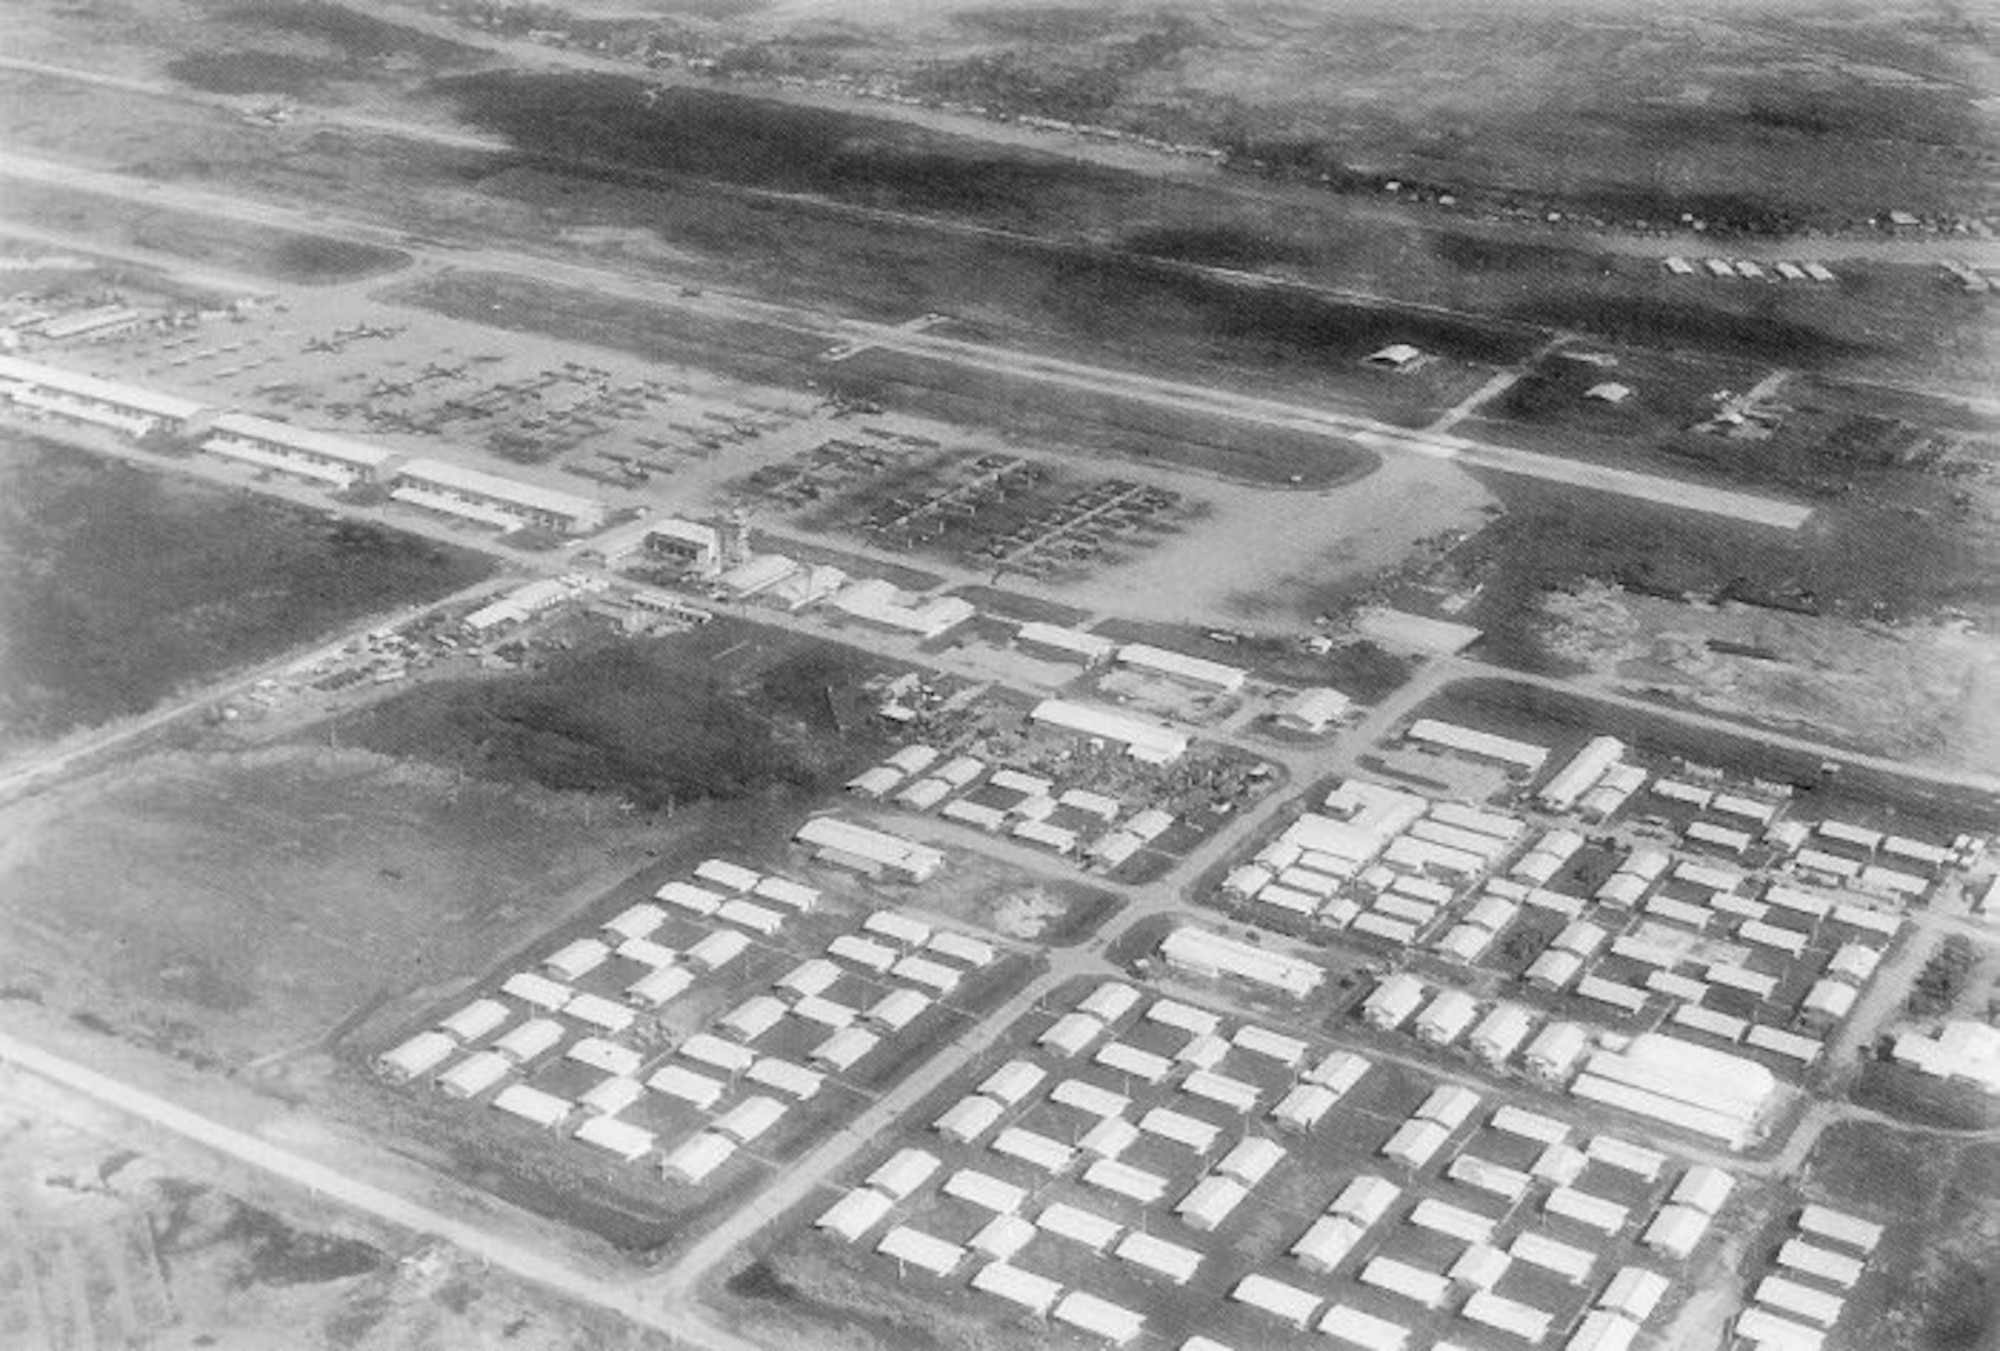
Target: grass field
(122,585)
(251,250)
(725,711)
(226,908)
(1930,1286)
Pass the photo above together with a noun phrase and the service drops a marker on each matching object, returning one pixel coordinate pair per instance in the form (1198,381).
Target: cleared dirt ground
(1920,690)
(106,1245)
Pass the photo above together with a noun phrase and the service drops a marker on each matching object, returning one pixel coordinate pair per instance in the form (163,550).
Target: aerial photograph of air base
(1190,675)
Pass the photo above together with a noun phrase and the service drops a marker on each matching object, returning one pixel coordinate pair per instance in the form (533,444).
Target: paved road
(64,756)
(621,1297)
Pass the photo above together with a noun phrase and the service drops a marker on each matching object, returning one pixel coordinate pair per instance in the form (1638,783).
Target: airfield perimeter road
(1175,395)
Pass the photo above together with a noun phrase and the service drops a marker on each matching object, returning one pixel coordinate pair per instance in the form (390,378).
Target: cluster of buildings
(530,599)
(1073,823)
(1134,1135)
(469,494)
(85,400)
(564,1044)
(1727,269)
(1797,1307)
(870,852)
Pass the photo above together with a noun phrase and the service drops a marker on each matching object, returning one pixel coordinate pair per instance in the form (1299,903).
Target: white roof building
(1602,1330)
(1001,1237)
(985,1191)
(1345,1323)
(1303,1106)
(855,1213)
(1675,1231)
(793,1080)
(717,950)
(1393,1001)
(1287,1302)
(1013,1081)
(1446,1017)
(1251,1159)
(530,1039)
(1820,1263)
(1835,1227)
(1365,1199)
(660,985)
(1581,773)
(1130,1060)
(1326,1244)
(1415,1142)
(1086,1227)
(1074,644)
(1315,709)
(844,839)
(1179,666)
(913,1248)
(1089,1098)
(419,1055)
(445,484)
(1071,1033)
(706,1049)
(749,1119)
(1235,1094)
(1487,1176)
(1400,1278)
(1501,1032)
(1485,745)
(1171,1260)
(1036,1294)
(280,445)
(1099,1317)
(678,1081)
(880,602)
(697,1157)
(1566,1260)
(968,1118)
(628,1141)
(1511,1316)
(840,1051)
(533,1105)
(1765,1331)
(1449,1105)
(1110,1001)
(1555,1050)
(1210,1202)
(1031,1147)
(904,1172)
(1634,1293)
(1126,1180)
(1207,953)
(1143,739)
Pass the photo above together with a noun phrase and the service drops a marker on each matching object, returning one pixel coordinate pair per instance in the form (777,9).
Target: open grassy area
(209,241)
(725,711)
(121,586)
(1931,1285)
(223,908)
